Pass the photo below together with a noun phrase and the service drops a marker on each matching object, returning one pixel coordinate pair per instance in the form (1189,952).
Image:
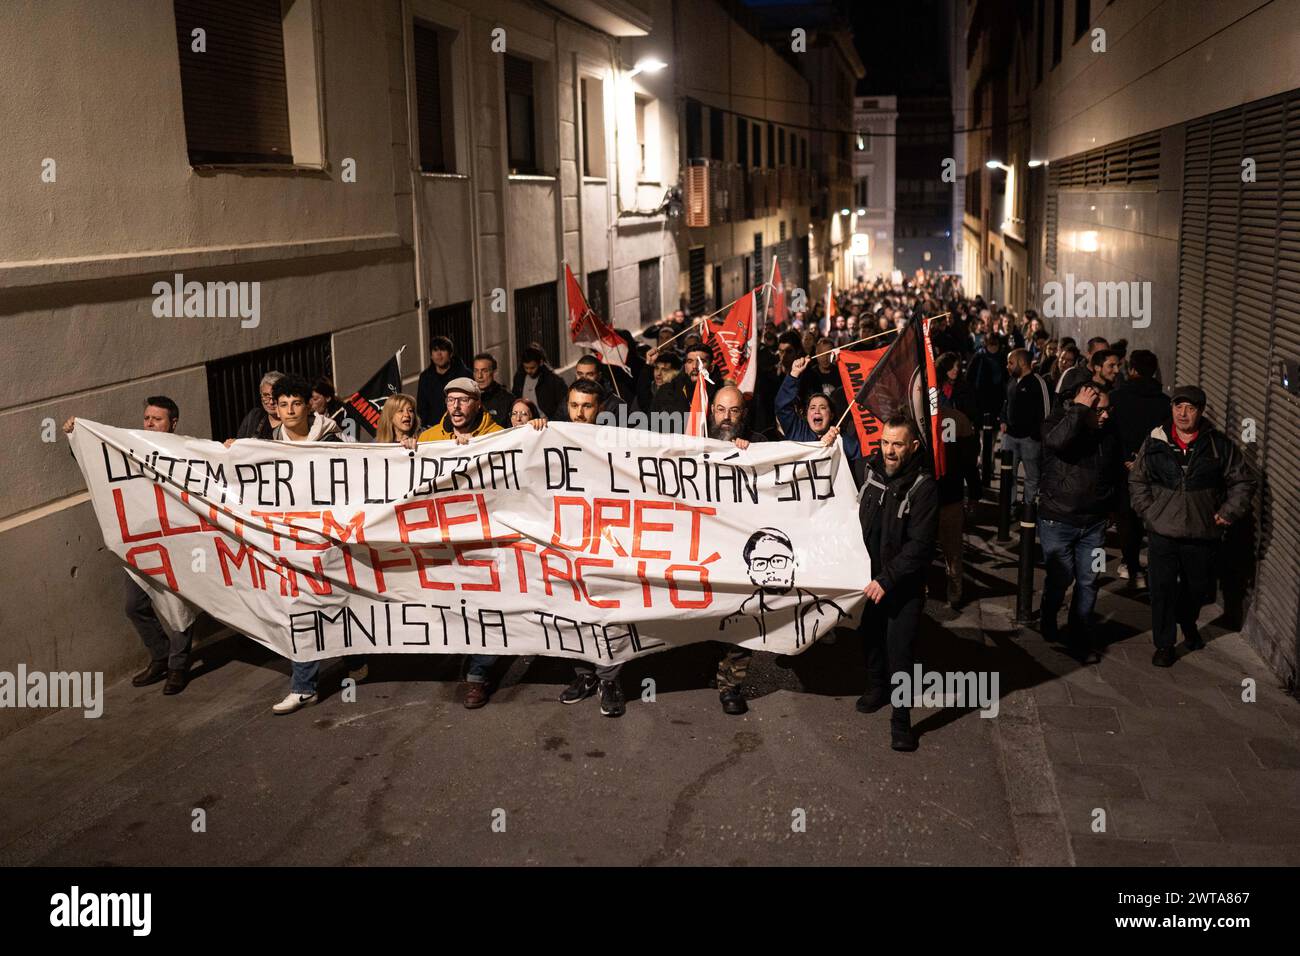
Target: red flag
(937,450)
(698,424)
(735,342)
(588,329)
(776,295)
(855,368)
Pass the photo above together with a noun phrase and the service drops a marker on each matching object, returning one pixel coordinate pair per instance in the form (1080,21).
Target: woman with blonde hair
(398,421)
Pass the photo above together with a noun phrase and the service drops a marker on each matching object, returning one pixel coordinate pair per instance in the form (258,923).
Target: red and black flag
(363,406)
(903,381)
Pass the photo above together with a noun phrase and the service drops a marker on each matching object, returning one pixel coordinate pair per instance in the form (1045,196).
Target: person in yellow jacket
(466,417)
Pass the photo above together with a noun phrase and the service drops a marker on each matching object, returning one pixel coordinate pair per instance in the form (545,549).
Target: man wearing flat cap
(1188,483)
(466,418)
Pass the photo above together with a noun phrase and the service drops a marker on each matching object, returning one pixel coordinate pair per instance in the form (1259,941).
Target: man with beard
(466,418)
(818,422)
(729,422)
(899,510)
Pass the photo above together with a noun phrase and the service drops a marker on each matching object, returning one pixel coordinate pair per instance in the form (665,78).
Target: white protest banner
(576,541)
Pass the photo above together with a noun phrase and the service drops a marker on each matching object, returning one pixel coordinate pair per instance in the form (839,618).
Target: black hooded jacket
(907,507)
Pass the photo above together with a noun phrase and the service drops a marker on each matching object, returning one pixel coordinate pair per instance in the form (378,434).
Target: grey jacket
(1178,493)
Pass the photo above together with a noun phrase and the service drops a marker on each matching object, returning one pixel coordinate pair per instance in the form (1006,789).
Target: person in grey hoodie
(1188,483)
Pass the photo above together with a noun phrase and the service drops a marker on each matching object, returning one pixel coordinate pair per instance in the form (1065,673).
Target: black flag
(363,406)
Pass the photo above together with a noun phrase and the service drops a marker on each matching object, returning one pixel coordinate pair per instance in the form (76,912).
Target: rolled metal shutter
(1191,258)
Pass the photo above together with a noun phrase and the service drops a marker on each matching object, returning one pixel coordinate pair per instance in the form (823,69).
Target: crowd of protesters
(1098,439)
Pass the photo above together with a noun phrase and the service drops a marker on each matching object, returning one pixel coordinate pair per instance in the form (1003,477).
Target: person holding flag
(818,422)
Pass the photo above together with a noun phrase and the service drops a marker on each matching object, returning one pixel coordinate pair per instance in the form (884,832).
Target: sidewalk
(1184,770)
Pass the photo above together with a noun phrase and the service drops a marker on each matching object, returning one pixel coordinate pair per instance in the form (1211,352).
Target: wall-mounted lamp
(995,164)
(844,211)
(649,64)
(1035,163)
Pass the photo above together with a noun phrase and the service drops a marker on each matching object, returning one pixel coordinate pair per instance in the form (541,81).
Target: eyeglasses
(778,563)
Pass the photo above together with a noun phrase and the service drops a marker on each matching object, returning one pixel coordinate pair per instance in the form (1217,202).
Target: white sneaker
(294,702)
(1123,572)
(1140,580)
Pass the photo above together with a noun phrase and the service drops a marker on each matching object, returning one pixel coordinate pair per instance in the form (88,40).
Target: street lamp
(995,164)
(1035,163)
(844,211)
(649,64)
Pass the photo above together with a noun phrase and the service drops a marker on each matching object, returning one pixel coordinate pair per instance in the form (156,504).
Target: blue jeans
(304,677)
(1029,452)
(479,665)
(1071,554)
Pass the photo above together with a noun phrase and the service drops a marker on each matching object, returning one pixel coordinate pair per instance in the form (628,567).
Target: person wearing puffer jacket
(1188,483)
(817,423)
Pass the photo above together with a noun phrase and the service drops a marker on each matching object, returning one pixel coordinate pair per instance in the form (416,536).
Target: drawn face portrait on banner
(770,559)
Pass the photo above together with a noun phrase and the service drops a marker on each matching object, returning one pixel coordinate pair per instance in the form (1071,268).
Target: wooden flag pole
(867,339)
(854,401)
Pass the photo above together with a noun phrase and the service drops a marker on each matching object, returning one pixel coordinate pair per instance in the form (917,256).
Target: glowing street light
(650,64)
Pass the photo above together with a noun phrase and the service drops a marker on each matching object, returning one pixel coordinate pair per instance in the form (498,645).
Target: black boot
(1164,657)
(733,701)
(901,736)
(872,701)
(156,671)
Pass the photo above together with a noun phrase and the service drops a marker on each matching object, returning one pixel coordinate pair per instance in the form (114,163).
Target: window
(862,193)
(233,382)
(251,94)
(696,267)
(648,287)
(742,142)
(864,140)
(771,145)
(537,320)
(521,121)
(717,141)
(456,322)
(694,130)
(803,151)
(757,159)
(780,147)
(598,292)
(647,138)
(433,101)
(1058,26)
(1082,15)
(593,127)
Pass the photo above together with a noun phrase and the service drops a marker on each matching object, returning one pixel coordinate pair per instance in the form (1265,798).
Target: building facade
(872,251)
(373,173)
(1155,155)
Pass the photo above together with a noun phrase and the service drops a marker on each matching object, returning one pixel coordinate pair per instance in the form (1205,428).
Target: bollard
(986,455)
(1028,544)
(1006,492)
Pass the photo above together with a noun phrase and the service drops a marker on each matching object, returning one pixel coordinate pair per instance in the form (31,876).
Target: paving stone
(1211,784)
(1235,854)
(1126,749)
(1099,850)
(1269,786)
(1276,754)
(1060,745)
(1266,824)
(1086,781)
(1170,721)
(1090,719)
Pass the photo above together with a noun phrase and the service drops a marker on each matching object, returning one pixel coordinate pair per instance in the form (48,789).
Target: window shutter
(428,101)
(1191,259)
(234,96)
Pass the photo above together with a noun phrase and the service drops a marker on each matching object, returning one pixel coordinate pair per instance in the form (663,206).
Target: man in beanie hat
(1188,483)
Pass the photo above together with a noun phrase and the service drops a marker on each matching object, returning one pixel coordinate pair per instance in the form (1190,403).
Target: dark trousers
(602,671)
(1180,577)
(162,645)
(888,631)
(1130,529)
(733,667)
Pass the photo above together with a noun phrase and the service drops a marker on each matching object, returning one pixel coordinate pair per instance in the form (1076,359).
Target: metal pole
(986,454)
(1006,492)
(1028,544)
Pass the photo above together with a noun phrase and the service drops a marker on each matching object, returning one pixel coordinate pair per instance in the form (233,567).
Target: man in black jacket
(430,402)
(1136,406)
(987,375)
(899,510)
(494,397)
(1081,473)
(1029,402)
(537,381)
(1188,483)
